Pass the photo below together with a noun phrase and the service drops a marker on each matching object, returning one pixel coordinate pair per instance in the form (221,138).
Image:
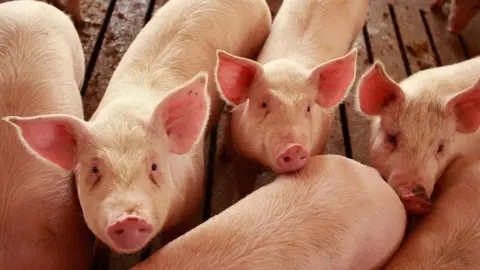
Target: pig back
(334,214)
(449,237)
(311,32)
(181,39)
(40,71)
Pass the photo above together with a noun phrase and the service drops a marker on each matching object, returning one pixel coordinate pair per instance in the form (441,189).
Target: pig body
(461,13)
(419,125)
(335,213)
(283,106)
(447,238)
(41,70)
(139,161)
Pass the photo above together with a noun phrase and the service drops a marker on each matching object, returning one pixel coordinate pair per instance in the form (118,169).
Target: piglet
(139,161)
(461,13)
(283,106)
(335,213)
(41,70)
(419,125)
(447,238)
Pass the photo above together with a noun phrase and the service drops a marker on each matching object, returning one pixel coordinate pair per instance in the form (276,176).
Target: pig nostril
(119,231)
(142,230)
(303,157)
(286,159)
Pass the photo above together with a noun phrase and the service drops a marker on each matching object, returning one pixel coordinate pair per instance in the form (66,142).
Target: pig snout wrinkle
(293,158)
(129,234)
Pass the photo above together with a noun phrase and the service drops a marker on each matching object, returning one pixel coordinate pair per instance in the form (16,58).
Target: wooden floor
(405,35)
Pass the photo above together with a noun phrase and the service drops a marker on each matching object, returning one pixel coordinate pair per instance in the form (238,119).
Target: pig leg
(460,15)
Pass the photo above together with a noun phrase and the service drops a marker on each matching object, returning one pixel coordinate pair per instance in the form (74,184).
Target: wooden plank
(93,11)
(414,36)
(383,40)
(358,125)
(471,36)
(447,46)
(127,20)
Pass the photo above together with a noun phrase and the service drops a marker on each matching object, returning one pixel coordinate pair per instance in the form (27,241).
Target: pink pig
(419,125)
(334,214)
(139,161)
(283,106)
(41,69)
(461,13)
(447,238)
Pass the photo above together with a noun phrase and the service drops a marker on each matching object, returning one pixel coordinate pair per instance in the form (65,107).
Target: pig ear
(333,79)
(52,137)
(466,108)
(234,76)
(376,90)
(184,114)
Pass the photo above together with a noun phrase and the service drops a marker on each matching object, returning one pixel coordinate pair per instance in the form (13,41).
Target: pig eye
(392,139)
(440,148)
(264,105)
(308,108)
(154,167)
(95,170)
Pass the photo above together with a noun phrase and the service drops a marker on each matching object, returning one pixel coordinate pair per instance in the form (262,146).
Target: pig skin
(335,213)
(41,70)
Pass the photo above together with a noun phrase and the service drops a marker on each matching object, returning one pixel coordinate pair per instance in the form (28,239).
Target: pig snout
(416,201)
(292,158)
(414,196)
(130,233)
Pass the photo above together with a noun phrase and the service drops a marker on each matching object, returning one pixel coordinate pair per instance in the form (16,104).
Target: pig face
(277,107)
(122,164)
(412,137)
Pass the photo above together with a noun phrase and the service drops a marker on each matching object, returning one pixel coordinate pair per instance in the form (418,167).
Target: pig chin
(128,231)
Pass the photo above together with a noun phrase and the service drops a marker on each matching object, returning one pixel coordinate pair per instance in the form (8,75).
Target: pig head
(281,109)
(412,136)
(123,164)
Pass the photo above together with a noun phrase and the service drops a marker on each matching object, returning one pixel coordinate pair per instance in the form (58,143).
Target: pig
(461,13)
(283,105)
(139,161)
(335,213)
(447,238)
(72,7)
(419,125)
(41,70)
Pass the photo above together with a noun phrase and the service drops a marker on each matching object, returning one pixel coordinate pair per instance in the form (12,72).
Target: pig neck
(313,32)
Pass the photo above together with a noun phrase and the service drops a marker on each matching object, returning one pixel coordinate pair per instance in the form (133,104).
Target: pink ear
(466,107)
(184,114)
(53,137)
(333,79)
(234,76)
(376,90)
